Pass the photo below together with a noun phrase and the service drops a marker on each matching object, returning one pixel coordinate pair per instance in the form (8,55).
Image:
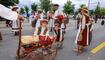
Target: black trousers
(90,37)
(0,36)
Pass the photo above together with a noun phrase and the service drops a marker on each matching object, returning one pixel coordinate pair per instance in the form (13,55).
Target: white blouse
(42,31)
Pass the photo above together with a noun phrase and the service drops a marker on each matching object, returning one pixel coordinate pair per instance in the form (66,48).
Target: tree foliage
(34,7)
(69,7)
(45,5)
(102,11)
(91,12)
(22,10)
(97,10)
(82,5)
(9,2)
(26,9)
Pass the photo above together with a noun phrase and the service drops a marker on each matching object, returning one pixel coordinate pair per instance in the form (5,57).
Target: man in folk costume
(15,27)
(8,14)
(91,28)
(58,15)
(82,39)
(58,35)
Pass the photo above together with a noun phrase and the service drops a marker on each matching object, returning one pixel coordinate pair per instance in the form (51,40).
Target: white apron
(51,23)
(15,26)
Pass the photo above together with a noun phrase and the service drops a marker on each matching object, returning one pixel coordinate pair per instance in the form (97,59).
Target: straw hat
(14,7)
(44,21)
(84,9)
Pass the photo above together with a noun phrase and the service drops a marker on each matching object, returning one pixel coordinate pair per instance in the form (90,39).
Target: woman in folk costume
(58,34)
(39,17)
(43,33)
(50,20)
(42,29)
(8,14)
(35,16)
(15,27)
(63,25)
(82,39)
(31,18)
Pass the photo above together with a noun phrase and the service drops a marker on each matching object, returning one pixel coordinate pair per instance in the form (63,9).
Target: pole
(88,4)
(19,43)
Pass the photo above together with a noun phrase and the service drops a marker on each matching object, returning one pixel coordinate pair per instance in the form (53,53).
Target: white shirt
(42,31)
(8,13)
(57,12)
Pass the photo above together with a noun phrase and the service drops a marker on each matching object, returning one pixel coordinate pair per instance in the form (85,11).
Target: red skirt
(45,40)
(85,38)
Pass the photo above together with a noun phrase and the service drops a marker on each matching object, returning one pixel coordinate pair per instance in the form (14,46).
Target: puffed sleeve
(8,13)
(36,31)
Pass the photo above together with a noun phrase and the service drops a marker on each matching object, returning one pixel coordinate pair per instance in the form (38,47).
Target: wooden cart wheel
(35,55)
(53,54)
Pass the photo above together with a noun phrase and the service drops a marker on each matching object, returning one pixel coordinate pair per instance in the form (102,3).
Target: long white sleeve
(8,13)
(61,35)
(83,22)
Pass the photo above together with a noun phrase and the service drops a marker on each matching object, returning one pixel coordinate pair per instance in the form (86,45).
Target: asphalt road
(9,43)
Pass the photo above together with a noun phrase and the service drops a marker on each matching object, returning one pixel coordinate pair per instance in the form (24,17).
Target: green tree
(69,7)
(82,5)
(91,12)
(9,2)
(26,10)
(45,4)
(97,10)
(102,11)
(34,7)
(22,10)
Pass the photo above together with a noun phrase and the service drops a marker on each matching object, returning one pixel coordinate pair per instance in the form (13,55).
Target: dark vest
(58,34)
(40,29)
